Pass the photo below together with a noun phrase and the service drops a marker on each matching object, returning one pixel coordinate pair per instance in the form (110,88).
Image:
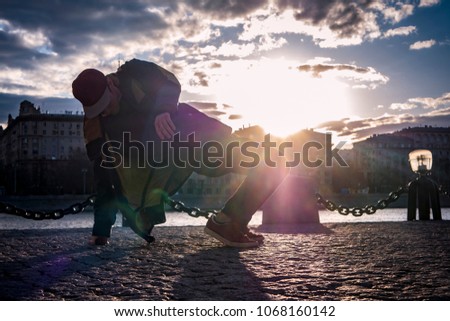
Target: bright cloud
(398,12)
(428,3)
(361,77)
(423,102)
(401,31)
(422,44)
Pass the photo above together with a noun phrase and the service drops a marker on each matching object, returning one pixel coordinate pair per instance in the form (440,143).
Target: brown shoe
(98,240)
(229,234)
(253,236)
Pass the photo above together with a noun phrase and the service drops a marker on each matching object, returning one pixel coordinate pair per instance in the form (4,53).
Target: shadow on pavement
(311,228)
(43,265)
(217,274)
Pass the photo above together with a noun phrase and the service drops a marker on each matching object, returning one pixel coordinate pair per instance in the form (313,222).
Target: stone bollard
(294,202)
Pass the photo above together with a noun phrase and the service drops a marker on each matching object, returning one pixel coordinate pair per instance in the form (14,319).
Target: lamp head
(421,161)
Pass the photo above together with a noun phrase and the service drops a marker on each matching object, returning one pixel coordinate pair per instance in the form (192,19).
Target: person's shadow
(217,274)
(31,270)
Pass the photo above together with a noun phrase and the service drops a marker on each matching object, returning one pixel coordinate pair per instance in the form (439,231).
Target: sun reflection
(275,95)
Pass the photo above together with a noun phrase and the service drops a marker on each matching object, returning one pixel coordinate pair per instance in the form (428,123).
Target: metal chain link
(191,211)
(443,192)
(359,211)
(48,214)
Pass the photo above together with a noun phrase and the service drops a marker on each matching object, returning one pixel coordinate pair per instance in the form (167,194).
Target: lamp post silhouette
(423,191)
(84,171)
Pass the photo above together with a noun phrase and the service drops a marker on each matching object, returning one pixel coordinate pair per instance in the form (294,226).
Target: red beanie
(91,89)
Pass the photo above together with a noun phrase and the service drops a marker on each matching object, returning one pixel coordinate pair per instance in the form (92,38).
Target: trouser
(105,206)
(260,181)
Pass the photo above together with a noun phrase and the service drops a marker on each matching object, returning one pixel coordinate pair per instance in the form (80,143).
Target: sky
(353,68)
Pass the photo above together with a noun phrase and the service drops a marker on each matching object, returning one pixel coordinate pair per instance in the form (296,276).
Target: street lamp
(421,161)
(423,191)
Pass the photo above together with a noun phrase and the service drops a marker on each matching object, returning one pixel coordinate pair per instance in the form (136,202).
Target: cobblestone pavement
(359,261)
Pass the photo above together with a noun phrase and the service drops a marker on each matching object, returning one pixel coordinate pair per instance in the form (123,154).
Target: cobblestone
(348,261)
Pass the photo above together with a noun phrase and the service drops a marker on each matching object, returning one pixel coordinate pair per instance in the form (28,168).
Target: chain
(443,192)
(191,211)
(197,212)
(49,214)
(80,207)
(359,211)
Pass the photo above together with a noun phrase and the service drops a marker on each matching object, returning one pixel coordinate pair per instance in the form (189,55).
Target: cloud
(360,129)
(201,79)
(334,23)
(401,31)
(428,3)
(46,43)
(398,12)
(422,44)
(204,105)
(212,109)
(363,77)
(234,117)
(403,106)
(423,102)
(226,8)
(344,18)
(436,112)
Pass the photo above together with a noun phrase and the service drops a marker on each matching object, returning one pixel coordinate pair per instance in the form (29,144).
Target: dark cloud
(201,79)
(13,53)
(361,129)
(215,113)
(345,17)
(226,8)
(71,26)
(203,105)
(209,108)
(317,69)
(215,65)
(234,117)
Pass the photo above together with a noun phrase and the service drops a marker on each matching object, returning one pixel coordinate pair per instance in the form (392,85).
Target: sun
(272,93)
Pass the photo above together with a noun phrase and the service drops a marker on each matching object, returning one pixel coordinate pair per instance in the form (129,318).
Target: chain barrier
(444,192)
(191,211)
(79,207)
(48,214)
(197,212)
(359,211)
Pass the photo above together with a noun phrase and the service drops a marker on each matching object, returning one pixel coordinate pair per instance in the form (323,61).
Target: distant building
(213,191)
(37,150)
(381,161)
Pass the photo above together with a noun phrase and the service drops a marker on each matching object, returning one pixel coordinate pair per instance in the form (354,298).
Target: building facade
(43,153)
(381,161)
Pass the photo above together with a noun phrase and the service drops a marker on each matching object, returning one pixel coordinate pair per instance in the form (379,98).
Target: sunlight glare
(275,95)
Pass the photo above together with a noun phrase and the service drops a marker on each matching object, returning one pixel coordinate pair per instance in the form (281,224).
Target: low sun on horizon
(275,95)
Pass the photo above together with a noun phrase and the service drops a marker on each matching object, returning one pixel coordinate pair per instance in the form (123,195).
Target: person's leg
(261,181)
(256,188)
(105,208)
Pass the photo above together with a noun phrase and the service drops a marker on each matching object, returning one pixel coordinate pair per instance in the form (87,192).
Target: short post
(294,202)
(84,171)
(422,192)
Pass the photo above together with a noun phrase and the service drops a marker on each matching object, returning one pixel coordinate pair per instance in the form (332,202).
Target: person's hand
(165,128)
